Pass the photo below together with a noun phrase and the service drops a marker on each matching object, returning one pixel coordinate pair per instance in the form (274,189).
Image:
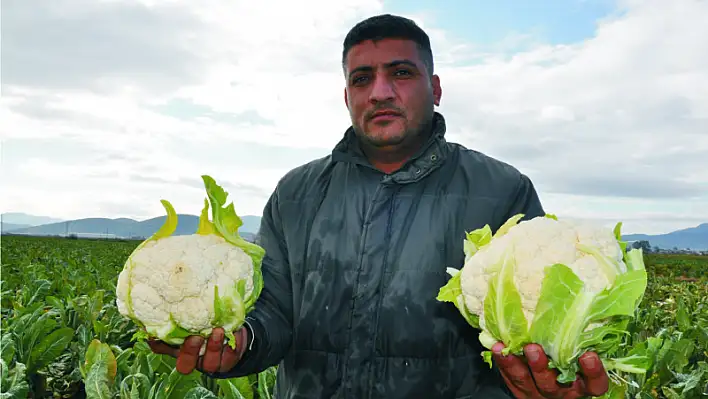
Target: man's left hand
(534,380)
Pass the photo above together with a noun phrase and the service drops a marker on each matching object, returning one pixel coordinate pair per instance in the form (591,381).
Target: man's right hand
(218,356)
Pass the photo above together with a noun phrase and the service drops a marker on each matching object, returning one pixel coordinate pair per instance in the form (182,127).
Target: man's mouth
(381,115)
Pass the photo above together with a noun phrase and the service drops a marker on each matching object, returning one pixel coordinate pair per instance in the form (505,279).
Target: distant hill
(27,219)
(695,238)
(7,227)
(124,227)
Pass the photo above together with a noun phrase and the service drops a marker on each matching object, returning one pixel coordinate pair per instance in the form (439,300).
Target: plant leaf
(50,347)
(504,318)
(476,239)
(452,292)
(101,368)
(200,393)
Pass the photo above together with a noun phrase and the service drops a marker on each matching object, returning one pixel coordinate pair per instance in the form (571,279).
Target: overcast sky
(109,106)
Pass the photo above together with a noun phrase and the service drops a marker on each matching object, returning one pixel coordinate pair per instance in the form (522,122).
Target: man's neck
(388,167)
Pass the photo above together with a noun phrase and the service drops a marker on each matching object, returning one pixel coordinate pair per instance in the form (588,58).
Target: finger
(215,345)
(544,378)
(594,376)
(576,390)
(514,390)
(515,372)
(162,348)
(189,354)
(229,359)
(241,337)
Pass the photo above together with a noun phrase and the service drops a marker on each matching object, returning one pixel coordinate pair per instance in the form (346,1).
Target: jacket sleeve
(524,200)
(270,323)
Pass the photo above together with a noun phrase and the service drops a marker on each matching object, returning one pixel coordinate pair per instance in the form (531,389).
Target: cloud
(567,181)
(100,45)
(198,184)
(622,114)
(230,71)
(140,98)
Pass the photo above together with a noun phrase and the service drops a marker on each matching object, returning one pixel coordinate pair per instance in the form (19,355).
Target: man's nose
(382,90)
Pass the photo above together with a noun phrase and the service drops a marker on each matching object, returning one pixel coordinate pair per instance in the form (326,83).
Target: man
(358,242)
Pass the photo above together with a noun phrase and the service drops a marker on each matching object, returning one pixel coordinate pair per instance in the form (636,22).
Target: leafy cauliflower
(176,286)
(570,287)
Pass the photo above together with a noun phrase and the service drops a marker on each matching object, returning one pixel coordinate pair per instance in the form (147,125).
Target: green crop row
(62,335)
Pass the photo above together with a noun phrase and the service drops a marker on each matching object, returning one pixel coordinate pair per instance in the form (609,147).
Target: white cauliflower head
(567,286)
(176,286)
(538,243)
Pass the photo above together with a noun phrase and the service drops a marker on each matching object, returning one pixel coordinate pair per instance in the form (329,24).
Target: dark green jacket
(355,259)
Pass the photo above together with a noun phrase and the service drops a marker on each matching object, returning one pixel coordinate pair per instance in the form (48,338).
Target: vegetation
(62,336)
(671,326)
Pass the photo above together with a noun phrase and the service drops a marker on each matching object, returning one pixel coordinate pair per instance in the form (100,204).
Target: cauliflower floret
(533,245)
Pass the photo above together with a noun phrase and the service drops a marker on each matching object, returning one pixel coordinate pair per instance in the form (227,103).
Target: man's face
(389,92)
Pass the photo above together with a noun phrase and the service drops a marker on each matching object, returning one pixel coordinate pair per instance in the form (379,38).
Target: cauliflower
(176,286)
(569,287)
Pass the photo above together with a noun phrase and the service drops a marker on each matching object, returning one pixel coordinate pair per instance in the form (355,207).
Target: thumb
(161,348)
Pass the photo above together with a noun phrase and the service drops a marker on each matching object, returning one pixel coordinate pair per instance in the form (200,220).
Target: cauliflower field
(64,337)
(58,311)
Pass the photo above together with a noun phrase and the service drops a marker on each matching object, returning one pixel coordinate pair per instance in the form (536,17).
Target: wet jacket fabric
(354,262)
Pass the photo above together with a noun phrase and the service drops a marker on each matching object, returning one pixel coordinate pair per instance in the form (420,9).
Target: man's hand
(534,380)
(218,357)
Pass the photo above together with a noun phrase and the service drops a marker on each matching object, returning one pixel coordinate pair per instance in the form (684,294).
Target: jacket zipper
(362,245)
(389,223)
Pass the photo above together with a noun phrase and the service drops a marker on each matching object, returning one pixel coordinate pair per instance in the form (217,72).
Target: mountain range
(26,219)
(104,227)
(694,238)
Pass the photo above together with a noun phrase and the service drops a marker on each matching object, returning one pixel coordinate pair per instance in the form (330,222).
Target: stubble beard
(410,134)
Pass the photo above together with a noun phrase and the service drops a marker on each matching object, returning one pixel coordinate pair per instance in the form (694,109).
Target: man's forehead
(382,52)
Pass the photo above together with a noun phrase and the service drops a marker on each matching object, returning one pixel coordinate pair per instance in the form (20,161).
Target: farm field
(62,335)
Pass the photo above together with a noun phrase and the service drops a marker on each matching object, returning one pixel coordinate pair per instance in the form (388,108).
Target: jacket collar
(428,158)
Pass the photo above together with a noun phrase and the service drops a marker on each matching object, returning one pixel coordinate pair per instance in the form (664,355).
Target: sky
(109,106)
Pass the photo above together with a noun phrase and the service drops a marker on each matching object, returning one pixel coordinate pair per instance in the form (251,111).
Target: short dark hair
(387,26)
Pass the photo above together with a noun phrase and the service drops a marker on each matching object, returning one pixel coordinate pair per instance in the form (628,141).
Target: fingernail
(533,355)
(588,362)
(497,348)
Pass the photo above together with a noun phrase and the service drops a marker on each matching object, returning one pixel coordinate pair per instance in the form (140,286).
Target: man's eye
(402,72)
(358,79)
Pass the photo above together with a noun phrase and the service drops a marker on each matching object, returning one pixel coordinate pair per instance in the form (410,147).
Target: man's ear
(437,89)
(346,99)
